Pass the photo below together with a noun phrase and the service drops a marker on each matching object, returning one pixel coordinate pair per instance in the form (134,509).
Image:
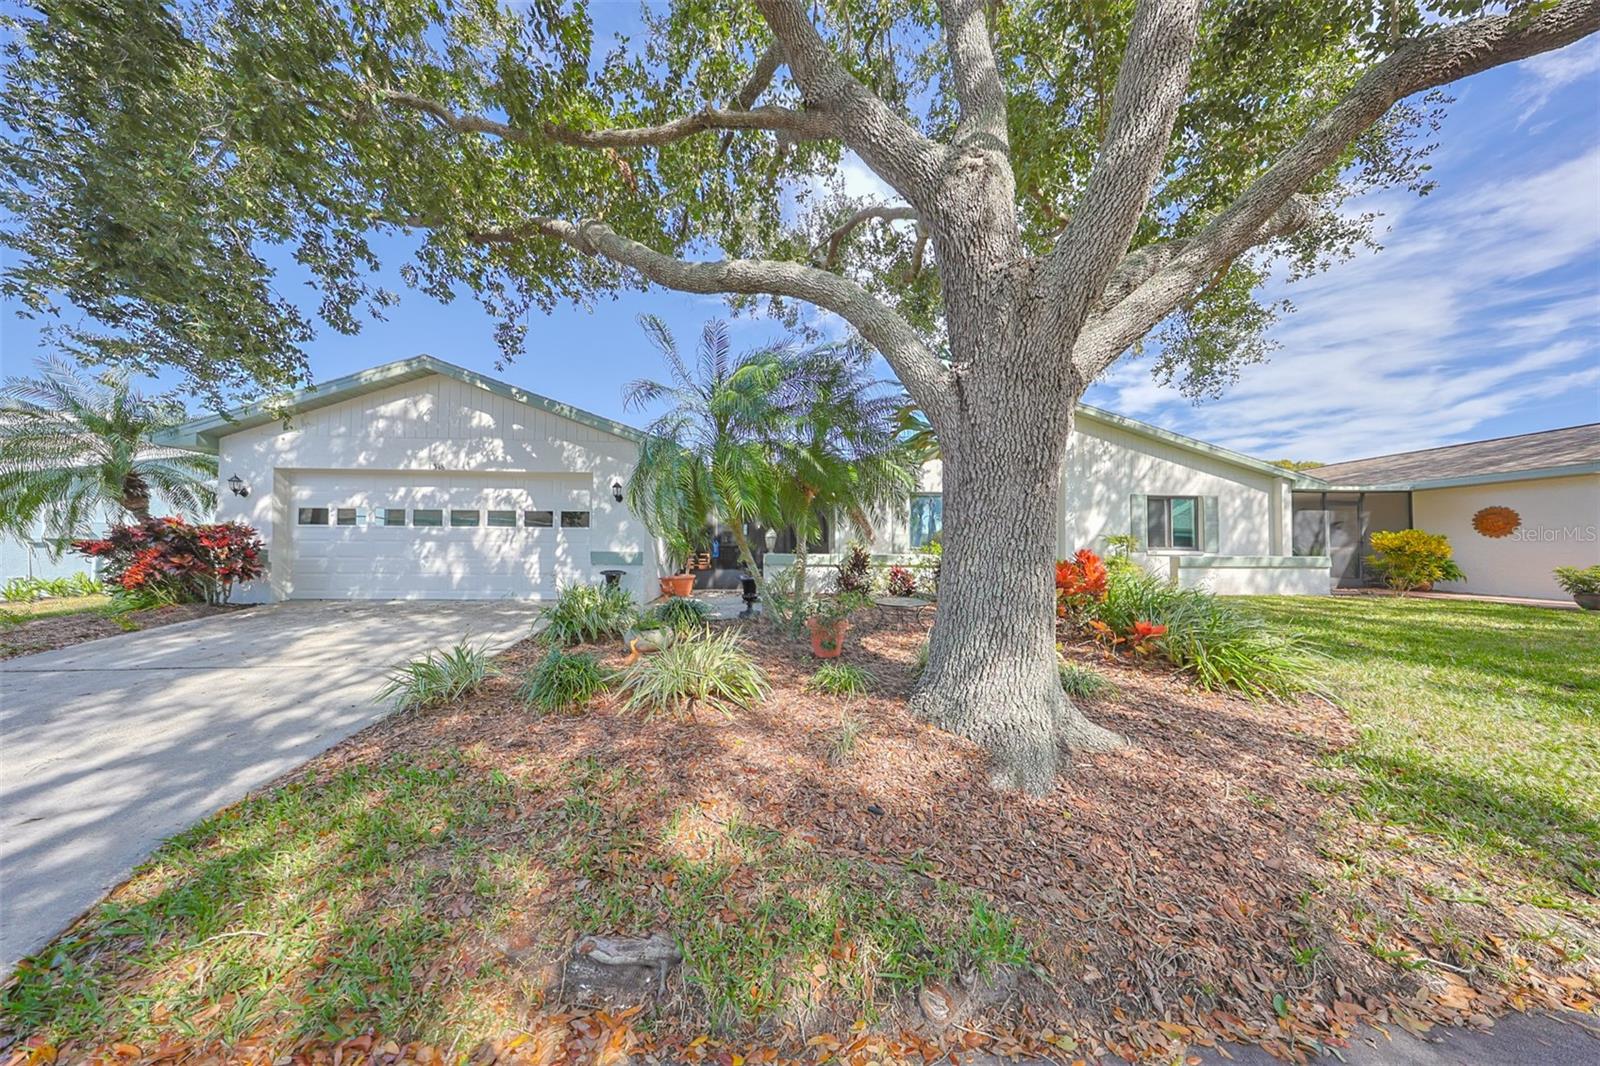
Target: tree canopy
(156,154)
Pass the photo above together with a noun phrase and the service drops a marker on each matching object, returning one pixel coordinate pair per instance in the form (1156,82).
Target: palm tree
(840,451)
(916,432)
(708,457)
(74,451)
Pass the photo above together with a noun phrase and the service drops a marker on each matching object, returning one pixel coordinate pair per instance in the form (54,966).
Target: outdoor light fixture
(772,539)
(236,483)
(616,490)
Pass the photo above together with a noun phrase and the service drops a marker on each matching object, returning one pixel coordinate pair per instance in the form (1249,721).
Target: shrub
(588,614)
(840,679)
(711,669)
(679,613)
(1579,580)
(855,571)
(919,662)
(785,601)
(21,590)
(145,598)
(1412,559)
(1083,682)
(1216,642)
(1080,583)
(195,563)
(563,680)
(902,582)
(437,678)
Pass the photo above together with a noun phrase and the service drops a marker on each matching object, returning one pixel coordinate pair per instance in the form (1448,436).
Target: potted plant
(1582,583)
(828,622)
(679,552)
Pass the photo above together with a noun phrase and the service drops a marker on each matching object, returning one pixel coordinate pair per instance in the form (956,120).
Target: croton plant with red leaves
(1080,582)
(192,562)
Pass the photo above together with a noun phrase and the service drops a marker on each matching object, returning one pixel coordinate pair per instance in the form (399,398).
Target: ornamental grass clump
(438,678)
(712,670)
(588,614)
(1083,682)
(840,679)
(563,681)
(1217,643)
(679,614)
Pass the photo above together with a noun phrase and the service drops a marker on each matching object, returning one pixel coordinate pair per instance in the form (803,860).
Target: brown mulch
(1209,883)
(63,631)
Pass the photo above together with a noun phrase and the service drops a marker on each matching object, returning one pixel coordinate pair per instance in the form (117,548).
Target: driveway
(112,746)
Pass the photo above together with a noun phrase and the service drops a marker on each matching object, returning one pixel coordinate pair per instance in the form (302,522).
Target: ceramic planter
(648,639)
(677,585)
(827,638)
(1589,601)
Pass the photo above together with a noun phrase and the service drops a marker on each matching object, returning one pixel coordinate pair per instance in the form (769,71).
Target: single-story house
(1514,508)
(421,479)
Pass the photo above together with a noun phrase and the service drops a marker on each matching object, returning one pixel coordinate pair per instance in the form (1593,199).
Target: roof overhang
(203,434)
(1311,483)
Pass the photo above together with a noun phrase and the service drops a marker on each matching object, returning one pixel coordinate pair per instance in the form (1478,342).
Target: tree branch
(894,150)
(1269,207)
(837,237)
(1144,105)
(802,125)
(918,368)
(978,87)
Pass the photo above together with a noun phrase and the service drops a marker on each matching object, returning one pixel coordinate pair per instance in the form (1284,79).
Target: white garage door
(434,535)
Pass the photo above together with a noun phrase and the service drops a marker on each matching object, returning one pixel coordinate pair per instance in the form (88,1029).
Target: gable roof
(1550,453)
(202,434)
(1178,440)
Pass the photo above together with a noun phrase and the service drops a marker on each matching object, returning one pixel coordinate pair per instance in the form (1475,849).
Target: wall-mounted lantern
(236,483)
(772,539)
(616,489)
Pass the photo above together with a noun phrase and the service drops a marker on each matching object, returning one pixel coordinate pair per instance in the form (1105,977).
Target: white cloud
(1484,303)
(1549,73)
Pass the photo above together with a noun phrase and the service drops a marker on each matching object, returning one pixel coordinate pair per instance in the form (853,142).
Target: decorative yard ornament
(1496,522)
(1053,183)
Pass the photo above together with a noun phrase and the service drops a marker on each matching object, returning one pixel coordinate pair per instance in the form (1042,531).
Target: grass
(1083,682)
(1479,726)
(712,670)
(564,680)
(438,677)
(840,679)
(365,901)
(18,612)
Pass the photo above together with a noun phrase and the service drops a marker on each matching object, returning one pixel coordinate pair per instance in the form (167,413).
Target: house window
(927,517)
(503,519)
(389,516)
(538,519)
(313,516)
(462,519)
(1173,522)
(350,516)
(427,516)
(574,519)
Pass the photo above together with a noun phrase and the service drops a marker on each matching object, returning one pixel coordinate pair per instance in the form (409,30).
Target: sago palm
(75,452)
(708,456)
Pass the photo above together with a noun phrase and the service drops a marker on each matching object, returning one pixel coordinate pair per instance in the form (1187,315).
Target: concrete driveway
(112,746)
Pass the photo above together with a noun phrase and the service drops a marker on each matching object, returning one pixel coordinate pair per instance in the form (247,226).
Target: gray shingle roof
(1572,446)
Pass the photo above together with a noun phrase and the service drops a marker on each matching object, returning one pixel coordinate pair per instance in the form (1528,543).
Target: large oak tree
(1068,176)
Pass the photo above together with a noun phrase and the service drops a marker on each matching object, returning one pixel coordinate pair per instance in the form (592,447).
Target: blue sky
(1480,318)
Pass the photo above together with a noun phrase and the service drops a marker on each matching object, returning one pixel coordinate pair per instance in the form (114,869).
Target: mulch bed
(1209,883)
(65,630)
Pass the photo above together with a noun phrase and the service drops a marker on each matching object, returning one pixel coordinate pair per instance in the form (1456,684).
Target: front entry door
(1344,538)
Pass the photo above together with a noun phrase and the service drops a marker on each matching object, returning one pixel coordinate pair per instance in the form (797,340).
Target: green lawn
(50,607)
(1480,726)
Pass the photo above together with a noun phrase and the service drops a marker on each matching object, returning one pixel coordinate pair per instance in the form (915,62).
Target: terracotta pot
(827,639)
(677,585)
(1589,601)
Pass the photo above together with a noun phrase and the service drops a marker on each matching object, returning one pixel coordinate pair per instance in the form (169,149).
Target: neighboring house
(1198,513)
(422,480)
(1514,508)
(30,557)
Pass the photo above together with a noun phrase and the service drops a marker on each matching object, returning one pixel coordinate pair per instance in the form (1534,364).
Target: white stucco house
(1514,508)
(420,479)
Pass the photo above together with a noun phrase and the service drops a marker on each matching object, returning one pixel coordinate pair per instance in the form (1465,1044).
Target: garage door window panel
(503,519)
(574,519)
(465,519)
(389,516)
(351,516)
(313,516)
(427,516)
(538,519)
